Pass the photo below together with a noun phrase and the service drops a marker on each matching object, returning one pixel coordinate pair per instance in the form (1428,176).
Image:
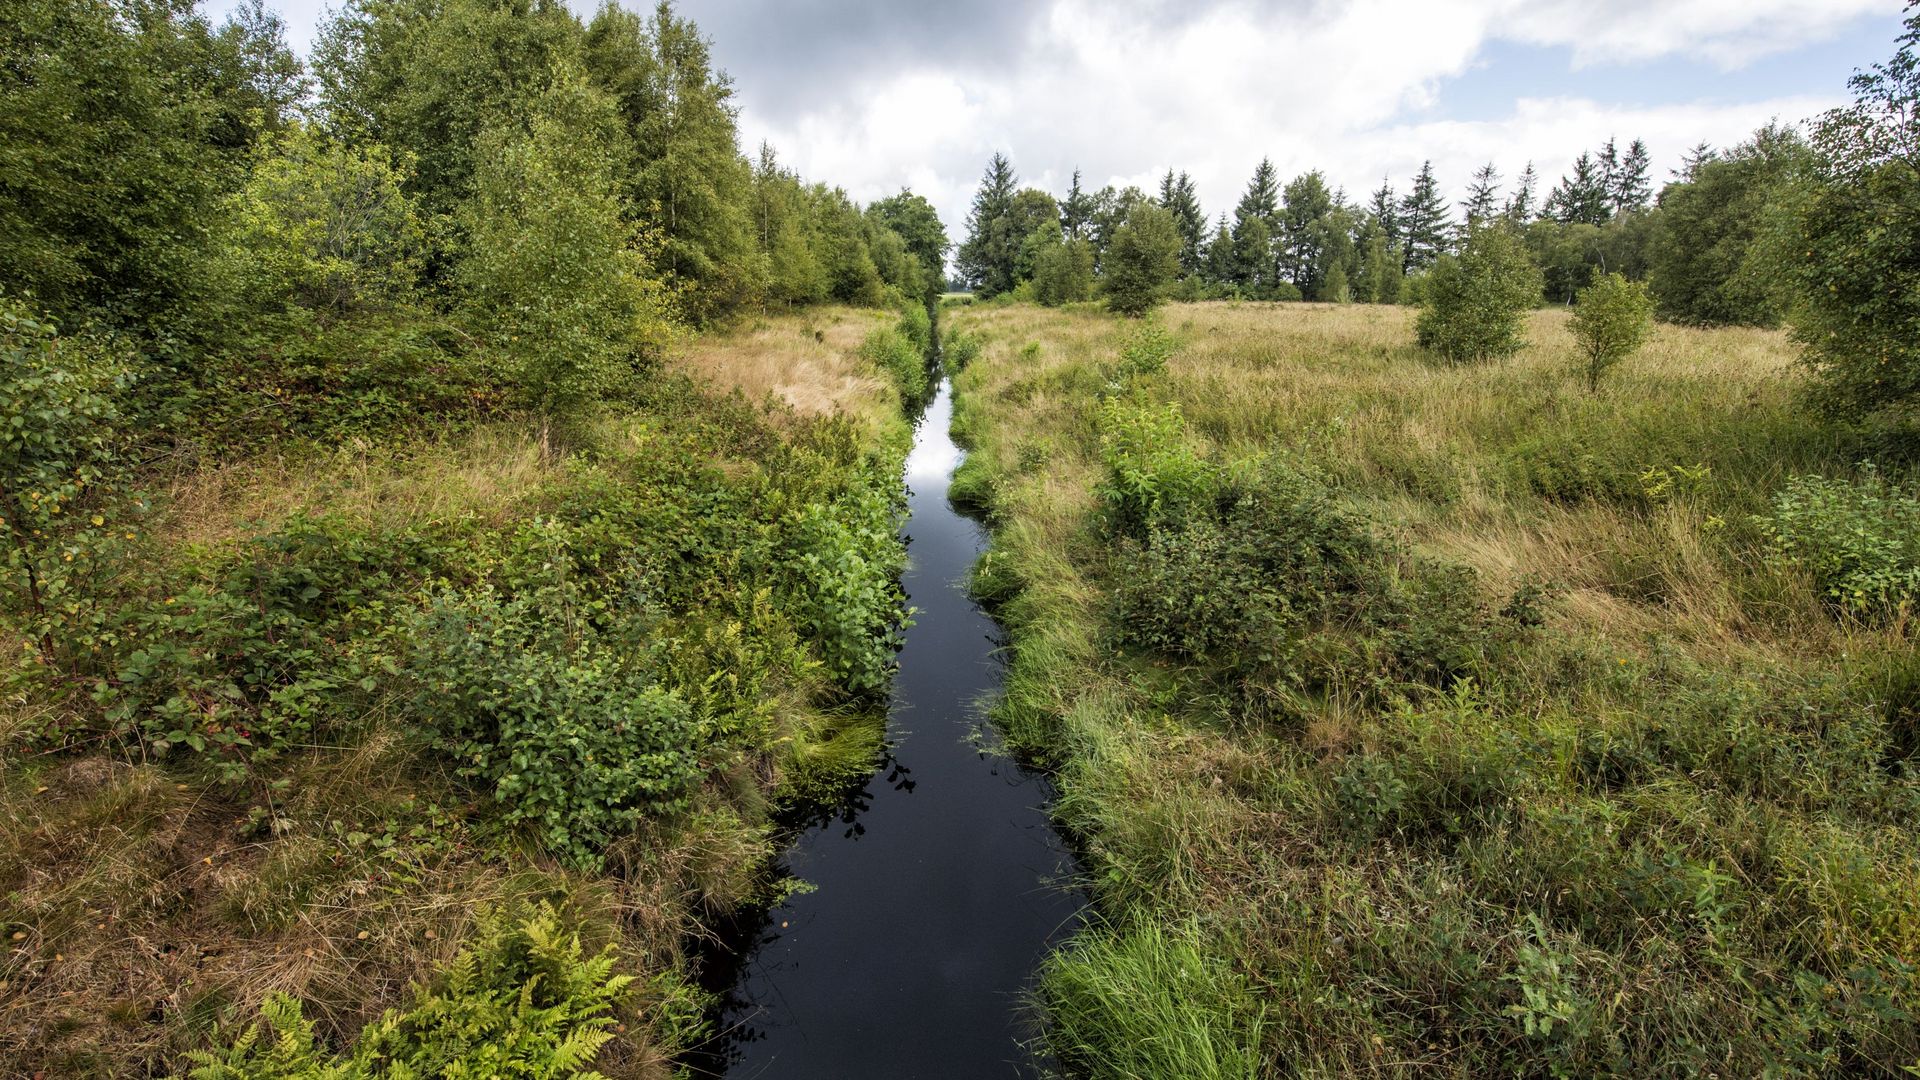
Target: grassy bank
(402,725)
(1452,720)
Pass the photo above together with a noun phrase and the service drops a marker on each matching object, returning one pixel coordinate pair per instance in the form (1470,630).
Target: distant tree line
(1306,240)
(1818,227)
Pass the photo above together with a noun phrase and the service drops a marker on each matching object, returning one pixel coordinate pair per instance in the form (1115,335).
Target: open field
(330,848)
(1449,720)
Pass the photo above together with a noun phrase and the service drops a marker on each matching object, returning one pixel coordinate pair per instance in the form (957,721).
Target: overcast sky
(873,95)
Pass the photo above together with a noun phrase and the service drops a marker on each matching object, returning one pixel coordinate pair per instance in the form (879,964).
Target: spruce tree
(1217,267)
(1520,207)
(1582,197)
(1179,197)
(1632,190)
(1424,221)
(1483,195)
(1076,211)
(986,260)
(1385,209)
(1695,157)
(1262,198)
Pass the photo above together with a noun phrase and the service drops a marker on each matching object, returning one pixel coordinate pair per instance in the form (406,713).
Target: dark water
(939,893)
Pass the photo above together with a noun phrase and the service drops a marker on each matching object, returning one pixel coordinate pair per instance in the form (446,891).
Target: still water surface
(939,893)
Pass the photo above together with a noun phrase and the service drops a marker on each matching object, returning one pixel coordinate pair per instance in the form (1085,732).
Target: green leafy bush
(1475,303)
(1860,540)
(845,558)
(522,1000)
(1610,321)
(570,730)
(59,452)
(958,348)
(899,357)
(322,226)
(1153,473)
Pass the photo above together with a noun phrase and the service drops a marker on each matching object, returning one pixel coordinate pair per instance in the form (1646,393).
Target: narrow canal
(939,893)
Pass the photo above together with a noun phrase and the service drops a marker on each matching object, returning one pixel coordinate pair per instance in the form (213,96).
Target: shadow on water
(938,887)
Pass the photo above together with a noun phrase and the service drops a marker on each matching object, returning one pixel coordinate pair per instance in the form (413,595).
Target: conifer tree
(1520,208)
(986,260)
(1582,197)
(1076,211)
(1179,197)
(1385,210)
(1632,190)
(1424,221)
(1483,195)
(1695,157)
(1262,198)
(1218,265)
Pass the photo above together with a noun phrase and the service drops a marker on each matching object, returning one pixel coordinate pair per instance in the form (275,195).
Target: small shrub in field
(958,349)
(522,1000)
(1147,351)
(1611,320)
(569,734)
(1860,540)
(899,357)
(1476,302)
(1153,474)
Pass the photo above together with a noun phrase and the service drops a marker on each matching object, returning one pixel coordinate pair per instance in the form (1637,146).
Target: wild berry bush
(1860,540)
(570,732)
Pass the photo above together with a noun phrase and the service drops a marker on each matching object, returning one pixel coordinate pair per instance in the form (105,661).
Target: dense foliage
(1610,321)
(338,427)
(1476,302)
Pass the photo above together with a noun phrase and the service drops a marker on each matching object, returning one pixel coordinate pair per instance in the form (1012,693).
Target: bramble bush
(569,732)
(60,520)
(1860,540)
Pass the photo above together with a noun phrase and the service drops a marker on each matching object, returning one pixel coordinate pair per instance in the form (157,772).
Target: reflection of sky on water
(933,460)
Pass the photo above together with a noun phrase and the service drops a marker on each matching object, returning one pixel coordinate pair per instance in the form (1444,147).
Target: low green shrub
(958,349)
(844,559)
(568,730)
(1153,474)
(895,353)
(1859,540)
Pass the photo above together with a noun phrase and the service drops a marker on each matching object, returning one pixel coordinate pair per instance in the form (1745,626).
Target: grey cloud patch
(808,56)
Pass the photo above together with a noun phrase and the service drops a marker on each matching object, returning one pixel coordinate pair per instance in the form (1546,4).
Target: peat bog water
(938,891)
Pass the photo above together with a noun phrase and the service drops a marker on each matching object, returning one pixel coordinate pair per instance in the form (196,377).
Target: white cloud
(876,97)
(1346,88)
